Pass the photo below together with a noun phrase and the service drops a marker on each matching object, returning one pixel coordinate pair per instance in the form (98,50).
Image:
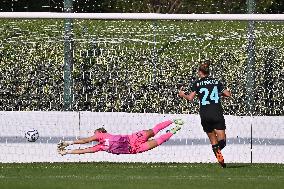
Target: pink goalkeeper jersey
(121,144)
(115,144)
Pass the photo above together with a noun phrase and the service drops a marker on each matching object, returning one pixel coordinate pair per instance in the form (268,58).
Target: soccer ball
(32,135)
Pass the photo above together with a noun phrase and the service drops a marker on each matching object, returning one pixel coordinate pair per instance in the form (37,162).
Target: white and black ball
(32,135)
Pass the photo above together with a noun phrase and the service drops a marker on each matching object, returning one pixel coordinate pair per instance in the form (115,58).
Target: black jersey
(209,92)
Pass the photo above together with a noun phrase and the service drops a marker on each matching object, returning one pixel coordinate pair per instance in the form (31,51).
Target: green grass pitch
(140,176)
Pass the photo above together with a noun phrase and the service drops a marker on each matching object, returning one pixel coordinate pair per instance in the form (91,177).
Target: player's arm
(189,97)
(226,93)
(93,149)
(63,144)
(85,140)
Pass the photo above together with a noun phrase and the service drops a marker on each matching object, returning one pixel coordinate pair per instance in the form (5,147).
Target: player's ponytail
(204,68)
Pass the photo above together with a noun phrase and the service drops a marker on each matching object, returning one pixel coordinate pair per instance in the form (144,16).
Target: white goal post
(142,16)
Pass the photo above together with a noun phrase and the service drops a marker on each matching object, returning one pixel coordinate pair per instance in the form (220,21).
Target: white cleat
(175,129)
(178,121)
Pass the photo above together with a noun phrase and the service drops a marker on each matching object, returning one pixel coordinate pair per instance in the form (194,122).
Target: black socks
(222,144)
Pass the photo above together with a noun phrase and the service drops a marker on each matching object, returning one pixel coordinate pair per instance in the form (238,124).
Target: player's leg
(212,137)
(214,141)
(158,141)
(161,126)
(221,137)
(209,127)
(152,132)
(209,130)
(219,129)
(215,147)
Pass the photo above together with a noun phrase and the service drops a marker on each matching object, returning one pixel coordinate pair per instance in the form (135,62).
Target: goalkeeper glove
(62,151)
(62,144)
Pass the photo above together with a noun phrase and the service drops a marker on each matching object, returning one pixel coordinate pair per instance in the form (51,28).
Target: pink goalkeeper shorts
(137,142)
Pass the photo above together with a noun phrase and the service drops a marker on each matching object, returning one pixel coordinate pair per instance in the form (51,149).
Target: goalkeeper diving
(123,144)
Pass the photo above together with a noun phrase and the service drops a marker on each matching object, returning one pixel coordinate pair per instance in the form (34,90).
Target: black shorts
(209,124)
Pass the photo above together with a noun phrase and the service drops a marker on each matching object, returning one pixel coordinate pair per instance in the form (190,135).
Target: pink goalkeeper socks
(161,126)
(163,138)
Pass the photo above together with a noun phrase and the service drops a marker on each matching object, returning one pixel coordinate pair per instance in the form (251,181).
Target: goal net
(125,74)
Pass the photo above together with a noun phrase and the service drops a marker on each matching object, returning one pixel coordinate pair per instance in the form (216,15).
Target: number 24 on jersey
(213,95)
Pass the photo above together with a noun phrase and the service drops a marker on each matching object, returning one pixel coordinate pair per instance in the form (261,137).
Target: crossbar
(141,16)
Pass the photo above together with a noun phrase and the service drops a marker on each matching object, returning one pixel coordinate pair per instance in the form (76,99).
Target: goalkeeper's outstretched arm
(62,151)
(63,144)
(85,140)
(80,151)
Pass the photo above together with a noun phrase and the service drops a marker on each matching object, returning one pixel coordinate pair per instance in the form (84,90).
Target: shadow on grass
(235,166)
